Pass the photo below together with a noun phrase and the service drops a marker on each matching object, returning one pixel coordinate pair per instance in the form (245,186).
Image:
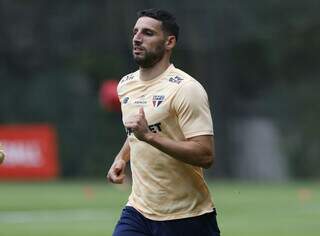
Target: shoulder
(127,80)
(186,84)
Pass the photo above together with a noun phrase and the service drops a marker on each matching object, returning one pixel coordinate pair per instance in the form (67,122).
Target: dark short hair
(169,24)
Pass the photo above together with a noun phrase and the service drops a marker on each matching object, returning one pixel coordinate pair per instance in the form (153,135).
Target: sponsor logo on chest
(141,101)
(125,100)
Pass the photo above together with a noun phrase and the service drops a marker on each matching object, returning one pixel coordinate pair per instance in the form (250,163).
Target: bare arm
(124,153)
(116,172)
(197,151)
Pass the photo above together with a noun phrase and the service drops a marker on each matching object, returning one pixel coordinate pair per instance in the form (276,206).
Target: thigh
(210,224)
(131,223)
(204,225)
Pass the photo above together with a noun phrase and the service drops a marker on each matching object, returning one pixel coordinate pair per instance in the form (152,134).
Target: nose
(137,39)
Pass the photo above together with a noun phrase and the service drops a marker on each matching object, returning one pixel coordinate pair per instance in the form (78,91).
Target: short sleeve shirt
(176,106)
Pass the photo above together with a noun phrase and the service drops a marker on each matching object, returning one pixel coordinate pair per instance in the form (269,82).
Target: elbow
(208,162)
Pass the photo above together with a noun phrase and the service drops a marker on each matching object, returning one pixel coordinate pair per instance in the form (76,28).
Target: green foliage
(55,55)
(299,124)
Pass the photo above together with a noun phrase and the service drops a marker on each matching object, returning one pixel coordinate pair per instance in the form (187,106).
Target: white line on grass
(55,216)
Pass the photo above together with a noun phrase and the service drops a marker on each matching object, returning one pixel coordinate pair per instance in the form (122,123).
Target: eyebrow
(144,29)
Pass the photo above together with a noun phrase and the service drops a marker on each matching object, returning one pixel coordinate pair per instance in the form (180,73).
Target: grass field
(92,208)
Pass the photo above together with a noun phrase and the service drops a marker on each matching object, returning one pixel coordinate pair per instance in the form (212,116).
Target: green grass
(92,208)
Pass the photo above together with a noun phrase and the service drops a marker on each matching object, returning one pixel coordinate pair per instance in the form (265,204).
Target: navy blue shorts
(133,223)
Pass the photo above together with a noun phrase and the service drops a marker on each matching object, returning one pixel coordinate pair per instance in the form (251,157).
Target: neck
(154,71)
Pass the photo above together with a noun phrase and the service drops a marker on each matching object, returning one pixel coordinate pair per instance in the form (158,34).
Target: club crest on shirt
(157,100)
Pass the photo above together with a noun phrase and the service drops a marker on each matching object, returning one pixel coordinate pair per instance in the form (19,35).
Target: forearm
(196,151)
(124,153)
(116,173)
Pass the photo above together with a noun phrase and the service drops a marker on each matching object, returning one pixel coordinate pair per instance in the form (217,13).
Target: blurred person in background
(169,139)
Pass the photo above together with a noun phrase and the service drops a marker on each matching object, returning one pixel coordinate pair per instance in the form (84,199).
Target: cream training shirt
(176,106)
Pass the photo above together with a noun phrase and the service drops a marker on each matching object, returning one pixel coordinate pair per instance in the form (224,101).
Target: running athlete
(169,139)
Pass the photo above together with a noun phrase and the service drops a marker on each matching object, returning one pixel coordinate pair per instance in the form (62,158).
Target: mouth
(137,50)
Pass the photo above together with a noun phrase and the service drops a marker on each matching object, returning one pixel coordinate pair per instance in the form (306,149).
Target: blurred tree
(254,58)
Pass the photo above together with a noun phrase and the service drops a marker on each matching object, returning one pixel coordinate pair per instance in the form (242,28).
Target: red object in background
(109,97)
(31,152)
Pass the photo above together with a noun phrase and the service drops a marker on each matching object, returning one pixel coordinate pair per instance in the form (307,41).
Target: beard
(150,58)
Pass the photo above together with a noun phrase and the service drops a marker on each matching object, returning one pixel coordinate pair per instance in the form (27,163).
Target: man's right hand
(116,173)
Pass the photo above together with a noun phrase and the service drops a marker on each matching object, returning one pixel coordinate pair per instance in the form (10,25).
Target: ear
(171,42)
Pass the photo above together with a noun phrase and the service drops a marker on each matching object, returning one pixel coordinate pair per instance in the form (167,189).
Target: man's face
(148,42)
